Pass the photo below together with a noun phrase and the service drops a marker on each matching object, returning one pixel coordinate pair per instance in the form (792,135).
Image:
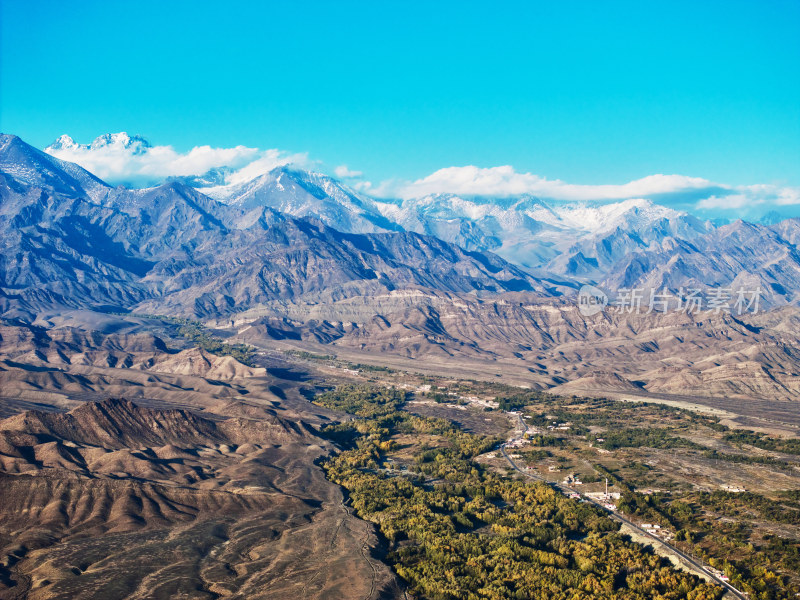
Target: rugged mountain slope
(173,249)
(296,259)
(24,165)
(303,194)
(547,344)
(739,256)
(116,500)
(567,238)
(580,239)
(115,424)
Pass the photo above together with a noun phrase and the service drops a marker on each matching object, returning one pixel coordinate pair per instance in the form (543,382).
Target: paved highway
(617,517)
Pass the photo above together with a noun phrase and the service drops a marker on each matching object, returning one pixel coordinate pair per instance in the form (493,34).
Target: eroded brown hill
(549,343)
(116,500)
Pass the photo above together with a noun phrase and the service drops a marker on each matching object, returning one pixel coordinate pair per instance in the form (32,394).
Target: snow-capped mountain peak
(567,237)
(62,142)
(304,194)
(30,166)
(596,218)
(134,144)
(581,238)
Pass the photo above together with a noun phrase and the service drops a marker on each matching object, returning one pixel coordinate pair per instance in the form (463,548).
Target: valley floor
(218,479)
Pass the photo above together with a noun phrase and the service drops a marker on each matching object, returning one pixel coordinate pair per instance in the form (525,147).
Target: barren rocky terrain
(203,486)
(79,254)
(551,345)
(158,351)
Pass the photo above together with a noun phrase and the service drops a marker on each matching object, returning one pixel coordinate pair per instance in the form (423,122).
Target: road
(564,489)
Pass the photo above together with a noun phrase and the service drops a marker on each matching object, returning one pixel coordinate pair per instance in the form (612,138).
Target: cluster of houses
(517,443)
(717,573)
(426,388)
(654,529)
(650,491)
(734,489)
(559,426)
(607,499)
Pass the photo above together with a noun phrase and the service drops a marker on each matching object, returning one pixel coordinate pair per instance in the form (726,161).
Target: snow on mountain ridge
(569,237)
(589,217)
(575,237)
(136,143)
(305,194)
(62,142)
(605,217)
(34,167)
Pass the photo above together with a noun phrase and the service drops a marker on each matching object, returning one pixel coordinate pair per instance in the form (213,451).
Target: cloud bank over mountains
(687,193)
(505,181)
(133,161)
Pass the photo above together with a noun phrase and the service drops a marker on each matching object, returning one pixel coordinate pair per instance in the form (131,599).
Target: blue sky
(582,92)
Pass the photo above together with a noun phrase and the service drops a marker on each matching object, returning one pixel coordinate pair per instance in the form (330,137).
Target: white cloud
(364,187)
(119,158)
(788,196)
(751,196)
(268,160)
(505,181)
(732,202)
(681,191)
(344,173)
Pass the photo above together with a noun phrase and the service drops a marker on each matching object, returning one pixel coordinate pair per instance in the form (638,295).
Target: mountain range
(302,259)
(576,239)
(629,244)
(71,240)
(561,244)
